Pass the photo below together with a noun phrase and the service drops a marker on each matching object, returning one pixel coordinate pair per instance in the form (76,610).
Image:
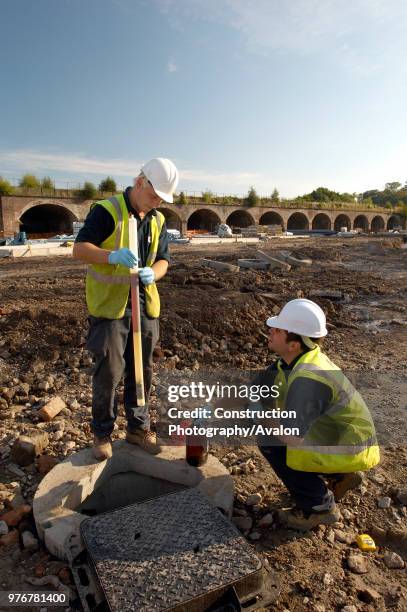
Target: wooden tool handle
(135,316)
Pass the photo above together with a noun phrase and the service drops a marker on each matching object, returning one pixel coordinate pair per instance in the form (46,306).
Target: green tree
(393,186)
(88,191)
(47,183)
(182,199)
(108,185)
(6,188)
(275,196)
(29,181)
(228,200)
(252,198)
(207,197)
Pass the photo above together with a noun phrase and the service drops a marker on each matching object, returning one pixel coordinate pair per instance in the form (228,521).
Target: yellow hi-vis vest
(343,439)
(107,286)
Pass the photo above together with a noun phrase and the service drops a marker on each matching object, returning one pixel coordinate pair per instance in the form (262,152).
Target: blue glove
(146,275)
(124,257)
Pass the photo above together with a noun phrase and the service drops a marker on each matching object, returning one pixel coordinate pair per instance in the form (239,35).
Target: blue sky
(292,94)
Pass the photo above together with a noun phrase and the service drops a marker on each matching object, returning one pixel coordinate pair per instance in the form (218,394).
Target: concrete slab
(220,265)
(70,482)
(38,250)
(256,264)
(273,261)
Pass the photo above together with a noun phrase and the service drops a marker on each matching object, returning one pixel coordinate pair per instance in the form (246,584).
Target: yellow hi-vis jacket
(107,286)
(343,439)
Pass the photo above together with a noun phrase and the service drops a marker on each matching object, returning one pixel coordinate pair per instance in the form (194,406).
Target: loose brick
(51,409)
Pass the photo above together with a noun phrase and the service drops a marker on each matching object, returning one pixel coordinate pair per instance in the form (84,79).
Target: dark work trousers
(308,489)
(111,343)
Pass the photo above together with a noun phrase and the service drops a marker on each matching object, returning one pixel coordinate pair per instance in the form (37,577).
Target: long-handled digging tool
(135,315)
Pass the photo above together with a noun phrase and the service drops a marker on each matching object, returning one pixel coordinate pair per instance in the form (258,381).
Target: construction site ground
(216,321)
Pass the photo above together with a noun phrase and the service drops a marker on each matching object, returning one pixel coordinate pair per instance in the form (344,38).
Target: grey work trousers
(111,343)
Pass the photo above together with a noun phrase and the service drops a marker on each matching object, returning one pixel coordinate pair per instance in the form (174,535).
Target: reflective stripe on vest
(111,302)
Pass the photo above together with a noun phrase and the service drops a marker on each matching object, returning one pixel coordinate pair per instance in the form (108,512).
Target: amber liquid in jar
(197,448)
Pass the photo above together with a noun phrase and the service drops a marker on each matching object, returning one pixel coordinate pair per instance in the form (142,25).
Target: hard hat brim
(164,196)
(274,322)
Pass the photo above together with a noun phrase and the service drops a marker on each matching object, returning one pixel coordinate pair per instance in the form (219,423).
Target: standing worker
(103,242)
(336,433)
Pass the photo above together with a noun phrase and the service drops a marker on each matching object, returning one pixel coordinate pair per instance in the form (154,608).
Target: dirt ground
(215,321)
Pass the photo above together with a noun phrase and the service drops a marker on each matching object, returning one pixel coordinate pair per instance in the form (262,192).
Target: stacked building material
(261,231)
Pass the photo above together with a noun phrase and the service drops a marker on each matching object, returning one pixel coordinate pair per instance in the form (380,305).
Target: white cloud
(356,34)
(368,174)
(172,66)
(21,161)
(28,160)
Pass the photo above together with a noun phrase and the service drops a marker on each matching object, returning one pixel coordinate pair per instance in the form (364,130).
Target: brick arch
(47,218)
(240,218)
(342,220)
(44,202)
(203,219)
(393,221)
(361,222)
(271,217)
(378,224)
(298,221)
(321,221)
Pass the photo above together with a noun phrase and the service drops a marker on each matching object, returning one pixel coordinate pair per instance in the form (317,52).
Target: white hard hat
(302,317)
(163,175)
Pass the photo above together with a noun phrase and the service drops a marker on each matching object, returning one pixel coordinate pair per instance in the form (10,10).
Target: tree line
(393,196)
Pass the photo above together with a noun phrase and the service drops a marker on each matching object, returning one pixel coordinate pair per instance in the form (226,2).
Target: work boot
(345,483)
(102,448)
(294,518)
(146,439)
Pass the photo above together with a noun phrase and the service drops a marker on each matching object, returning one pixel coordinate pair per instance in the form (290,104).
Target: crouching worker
(336,433)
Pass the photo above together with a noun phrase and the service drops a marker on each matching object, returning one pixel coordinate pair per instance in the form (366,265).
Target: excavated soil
(215,321)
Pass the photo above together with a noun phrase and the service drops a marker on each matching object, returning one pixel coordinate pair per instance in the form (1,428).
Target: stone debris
(254,536)
(15,470)
(26,448)
(255,264)
(3,527)
(53,581)
(330,536)
(365,592)
(343,536)
(244,523)
(45,463)
(393,561)
(384,502)
(294,260)
(10,538)
(401,496)
(253,499)
(349,608)
(220,265)
(29,541)
(266,521)
(273,262)
(357,564)
(13,517)
(51,409)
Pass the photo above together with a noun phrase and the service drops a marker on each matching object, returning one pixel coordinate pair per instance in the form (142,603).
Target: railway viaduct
(47,214)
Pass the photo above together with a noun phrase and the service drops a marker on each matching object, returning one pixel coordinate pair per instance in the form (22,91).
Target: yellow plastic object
(365,542)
